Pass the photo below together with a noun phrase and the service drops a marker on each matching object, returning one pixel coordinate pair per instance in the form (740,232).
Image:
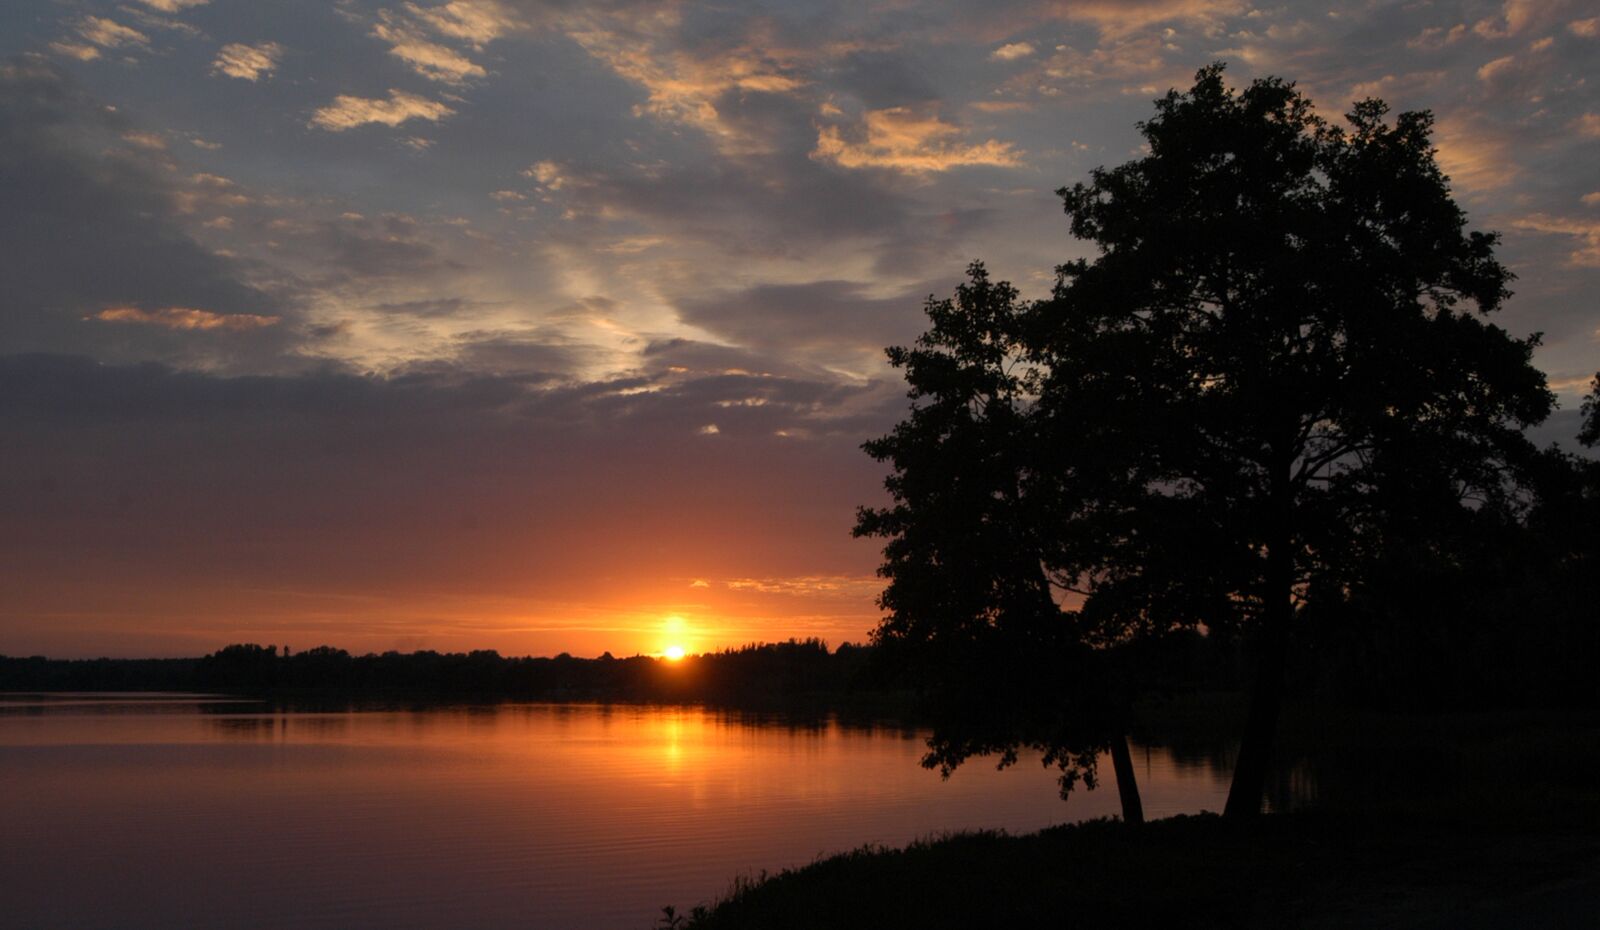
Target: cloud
(1012,51)
(173,6)
(1513,18)
(548,174)
(392,245)
(428,58)
(1493,68)
(109,33)
(1588,125)
(98,33)
(153,141)
(785,205)
(247,62)
(1585,28)
(476,21)
(1587,254)
(703,81)
(348,112)
(1437,37)
(1111,18)
(863,586)
(1142,61)
(901,139)
(835,323)
(1477,159)
(183,318)
(92,222)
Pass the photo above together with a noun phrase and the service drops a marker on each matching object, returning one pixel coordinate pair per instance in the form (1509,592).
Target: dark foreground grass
(1293,870)
(1466,822)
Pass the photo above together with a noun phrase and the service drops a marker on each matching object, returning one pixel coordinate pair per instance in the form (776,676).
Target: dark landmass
(793,671)
(1425,821)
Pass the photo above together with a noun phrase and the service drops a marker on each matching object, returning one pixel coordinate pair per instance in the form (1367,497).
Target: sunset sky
(557,326)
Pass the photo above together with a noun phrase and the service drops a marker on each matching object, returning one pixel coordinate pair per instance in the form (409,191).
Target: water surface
(180,811)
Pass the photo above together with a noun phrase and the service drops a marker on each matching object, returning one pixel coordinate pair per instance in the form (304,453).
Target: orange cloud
(474,21)
(98,33)
(1120,17)
(1475,160)
(427,58)
(901,139)
(347,112)
(684,82)
(185,318)
(1493,68)
(858,586)
(1513,17)
(682,87)
(1012,51)
(247,62)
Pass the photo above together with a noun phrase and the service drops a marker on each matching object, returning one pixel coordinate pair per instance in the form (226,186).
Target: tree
(1274,372)
(968,602)
(1589,433)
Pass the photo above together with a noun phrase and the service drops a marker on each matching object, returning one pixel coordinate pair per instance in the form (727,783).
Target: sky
(557,326)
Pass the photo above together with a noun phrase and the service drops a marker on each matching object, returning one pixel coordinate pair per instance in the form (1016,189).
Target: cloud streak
(348,112)
(186,318)
(97,34)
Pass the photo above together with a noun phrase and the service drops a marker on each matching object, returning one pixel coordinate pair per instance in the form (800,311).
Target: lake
(141,811)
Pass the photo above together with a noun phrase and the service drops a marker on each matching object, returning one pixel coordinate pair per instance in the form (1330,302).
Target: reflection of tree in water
(252,728)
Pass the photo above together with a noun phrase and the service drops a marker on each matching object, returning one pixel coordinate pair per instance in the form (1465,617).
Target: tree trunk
(1127,785)
(1266,697)
(1260,732)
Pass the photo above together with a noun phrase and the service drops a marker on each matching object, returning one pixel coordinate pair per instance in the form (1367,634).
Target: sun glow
(673,630)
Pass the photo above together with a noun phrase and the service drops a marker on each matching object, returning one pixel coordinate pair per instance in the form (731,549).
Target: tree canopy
(1274,371)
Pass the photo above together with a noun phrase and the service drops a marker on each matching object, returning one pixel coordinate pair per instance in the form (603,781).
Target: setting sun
(673,653)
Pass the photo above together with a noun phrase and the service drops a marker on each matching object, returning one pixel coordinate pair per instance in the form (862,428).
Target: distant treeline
(776,671)
(796,671)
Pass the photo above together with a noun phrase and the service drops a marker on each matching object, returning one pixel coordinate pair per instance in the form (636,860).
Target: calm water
(174,811)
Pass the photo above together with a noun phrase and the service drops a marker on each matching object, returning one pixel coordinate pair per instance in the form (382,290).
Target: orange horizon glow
(193,620)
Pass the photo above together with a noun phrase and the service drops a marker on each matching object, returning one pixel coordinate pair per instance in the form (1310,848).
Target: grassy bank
(1421,821)
(1307,869)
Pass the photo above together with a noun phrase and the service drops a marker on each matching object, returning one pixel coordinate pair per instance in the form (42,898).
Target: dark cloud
(360,248)
(437,307)
(817,320)
(90,222)
(886,78)
(782,205)
(546,356)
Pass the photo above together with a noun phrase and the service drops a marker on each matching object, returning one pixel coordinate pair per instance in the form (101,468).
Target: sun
(673,653)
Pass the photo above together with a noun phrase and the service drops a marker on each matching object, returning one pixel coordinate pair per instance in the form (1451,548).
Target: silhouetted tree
(1274,373)
(968,603)
(1589,433)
